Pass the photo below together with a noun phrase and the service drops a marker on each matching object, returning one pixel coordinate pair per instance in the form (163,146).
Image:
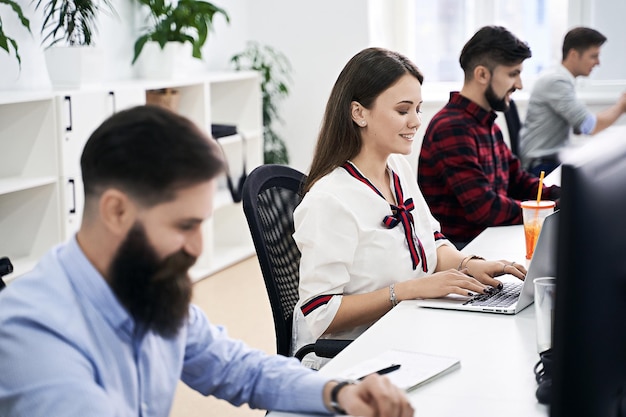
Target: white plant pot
(157,63)
(74,66)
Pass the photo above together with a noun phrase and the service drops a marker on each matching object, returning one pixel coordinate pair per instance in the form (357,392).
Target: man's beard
(155,292)
(496,103)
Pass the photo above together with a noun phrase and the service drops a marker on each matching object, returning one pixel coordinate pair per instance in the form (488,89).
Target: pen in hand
(383,371)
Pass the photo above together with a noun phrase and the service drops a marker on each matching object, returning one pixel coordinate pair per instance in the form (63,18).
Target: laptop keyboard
(503,298)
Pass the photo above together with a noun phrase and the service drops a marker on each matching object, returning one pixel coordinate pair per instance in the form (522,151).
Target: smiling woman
(366,235)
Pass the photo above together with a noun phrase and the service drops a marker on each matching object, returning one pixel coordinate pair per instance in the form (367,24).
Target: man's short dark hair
(148,152)
(492,46)
(580,39)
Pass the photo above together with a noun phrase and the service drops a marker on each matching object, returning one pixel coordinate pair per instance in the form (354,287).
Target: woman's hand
(485,271)
(443,283)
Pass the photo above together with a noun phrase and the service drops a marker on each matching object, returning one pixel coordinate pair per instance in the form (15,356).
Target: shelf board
(13,184)
(13,97)
(222,198)
(226,76)
(229,140)
(223,258)
(179,81)
(249,135)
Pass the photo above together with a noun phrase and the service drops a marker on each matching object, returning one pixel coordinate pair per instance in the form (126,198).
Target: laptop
(516,295)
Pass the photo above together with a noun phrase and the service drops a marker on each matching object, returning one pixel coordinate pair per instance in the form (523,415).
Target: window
(608,18)
(432,33)
(443,27)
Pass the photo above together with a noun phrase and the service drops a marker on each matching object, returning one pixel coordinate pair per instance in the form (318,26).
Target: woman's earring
(362,122)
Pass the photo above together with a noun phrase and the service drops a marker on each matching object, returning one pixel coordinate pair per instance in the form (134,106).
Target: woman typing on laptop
(367,237)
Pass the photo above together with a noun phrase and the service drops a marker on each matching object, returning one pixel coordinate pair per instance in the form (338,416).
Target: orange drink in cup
(534,212)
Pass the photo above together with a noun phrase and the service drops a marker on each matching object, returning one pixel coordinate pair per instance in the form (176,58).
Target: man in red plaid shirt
(467,173)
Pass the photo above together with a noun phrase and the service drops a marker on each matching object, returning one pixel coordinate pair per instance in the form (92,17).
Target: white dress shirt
(346,248)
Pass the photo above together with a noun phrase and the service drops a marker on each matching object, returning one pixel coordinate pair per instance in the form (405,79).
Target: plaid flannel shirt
(468,175)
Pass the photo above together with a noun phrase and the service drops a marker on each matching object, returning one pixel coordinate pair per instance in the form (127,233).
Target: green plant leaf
(71,21)
(186,21)
(18,10)
(274,69)
(5,40)
(17,55)
(139,44)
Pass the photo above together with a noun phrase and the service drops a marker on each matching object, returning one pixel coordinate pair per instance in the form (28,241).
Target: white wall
(318,38)
(33,74)
(116,37)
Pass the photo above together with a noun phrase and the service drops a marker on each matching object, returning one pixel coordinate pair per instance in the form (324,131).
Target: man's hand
(374,396)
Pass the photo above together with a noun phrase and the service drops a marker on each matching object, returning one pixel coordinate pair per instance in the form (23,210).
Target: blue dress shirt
(68,348)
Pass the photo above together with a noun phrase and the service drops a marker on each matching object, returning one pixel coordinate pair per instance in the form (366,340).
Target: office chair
(6,267)
(270,195)
(513,124)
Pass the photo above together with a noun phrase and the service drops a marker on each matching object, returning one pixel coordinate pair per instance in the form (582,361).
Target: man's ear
(482,75)
(117,211)
(572,54)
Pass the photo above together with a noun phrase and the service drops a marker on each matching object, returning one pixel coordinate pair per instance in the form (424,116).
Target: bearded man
(467,173)
(103,325)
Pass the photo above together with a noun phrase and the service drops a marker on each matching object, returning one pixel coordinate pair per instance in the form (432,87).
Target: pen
(383,371)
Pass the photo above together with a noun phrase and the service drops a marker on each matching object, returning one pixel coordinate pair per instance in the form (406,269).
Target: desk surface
(497,352)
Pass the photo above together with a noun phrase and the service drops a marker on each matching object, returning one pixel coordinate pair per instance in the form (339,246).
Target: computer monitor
(589,334)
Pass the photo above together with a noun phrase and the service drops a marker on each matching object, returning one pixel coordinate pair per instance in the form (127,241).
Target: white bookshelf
(42,135)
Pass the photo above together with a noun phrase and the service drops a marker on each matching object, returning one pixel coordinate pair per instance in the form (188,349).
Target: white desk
(497,352)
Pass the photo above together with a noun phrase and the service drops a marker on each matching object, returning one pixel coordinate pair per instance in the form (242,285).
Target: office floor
(235,298)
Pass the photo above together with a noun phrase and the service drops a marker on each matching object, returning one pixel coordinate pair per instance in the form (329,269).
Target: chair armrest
(324,348)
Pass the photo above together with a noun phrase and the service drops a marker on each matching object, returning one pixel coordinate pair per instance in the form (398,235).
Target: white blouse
(346,248)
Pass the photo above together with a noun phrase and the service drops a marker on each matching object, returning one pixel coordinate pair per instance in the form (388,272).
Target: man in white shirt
(554,110)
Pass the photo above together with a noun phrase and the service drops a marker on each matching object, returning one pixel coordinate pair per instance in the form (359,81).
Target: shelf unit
(42,135)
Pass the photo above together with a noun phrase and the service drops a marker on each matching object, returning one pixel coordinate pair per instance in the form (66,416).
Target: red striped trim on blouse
(316,302)
(401,214)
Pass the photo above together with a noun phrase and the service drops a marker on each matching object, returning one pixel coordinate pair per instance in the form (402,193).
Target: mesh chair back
(270,195)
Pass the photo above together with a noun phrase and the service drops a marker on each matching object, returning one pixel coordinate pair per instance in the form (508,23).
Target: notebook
(543,263)
(411,369)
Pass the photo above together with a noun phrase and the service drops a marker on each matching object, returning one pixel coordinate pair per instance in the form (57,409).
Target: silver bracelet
(392,295)
(469,258)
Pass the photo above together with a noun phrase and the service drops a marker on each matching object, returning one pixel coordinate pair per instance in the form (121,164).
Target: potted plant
(275,70)
(68,27)
(6,42)
(70,21)
(187,21)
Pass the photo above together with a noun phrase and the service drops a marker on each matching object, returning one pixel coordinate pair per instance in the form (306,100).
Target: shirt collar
(484,117)
(92,287)
(564,71)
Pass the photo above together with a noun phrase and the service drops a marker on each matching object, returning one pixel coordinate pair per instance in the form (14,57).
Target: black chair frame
(514,125)
(6,267)
(270,195)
